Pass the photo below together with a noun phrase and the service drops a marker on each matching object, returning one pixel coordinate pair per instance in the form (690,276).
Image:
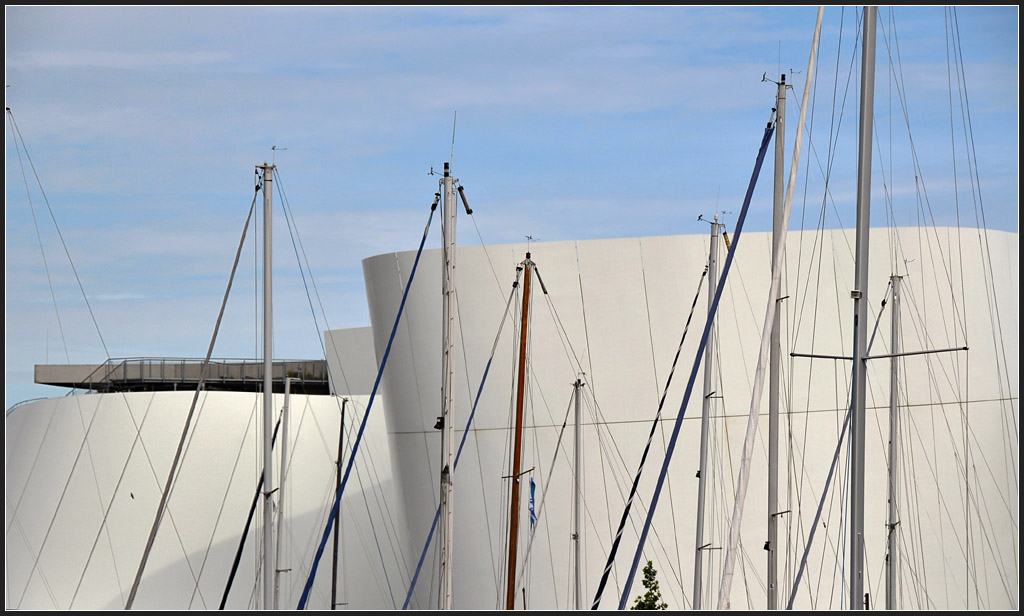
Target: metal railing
(118,373)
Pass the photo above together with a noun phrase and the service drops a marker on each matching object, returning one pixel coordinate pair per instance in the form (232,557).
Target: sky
(144,126)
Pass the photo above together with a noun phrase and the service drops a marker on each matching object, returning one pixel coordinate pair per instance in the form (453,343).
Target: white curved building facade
(79,510)
(614,310)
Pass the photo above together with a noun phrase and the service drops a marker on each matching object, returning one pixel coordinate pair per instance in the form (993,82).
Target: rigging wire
(325,512)
(693,375)
(462,443)
(60,326)
(897,240)
(654,366)
(88,428)
(248,521)
(391,593)
(647,447)
(771,315)
(367,457)
(220,510)
(973,174)
(980,207)
(16,130)
(943,506)
(965,411)
(505,496)
(20,145)
(949,432)
(106,513)
(366,415)
(590,370)
(828,480)
(543,495)
(42,574)
(600,421)
(188,419)
(483,491)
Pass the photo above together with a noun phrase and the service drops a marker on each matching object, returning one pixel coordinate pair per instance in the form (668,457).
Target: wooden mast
(513,527)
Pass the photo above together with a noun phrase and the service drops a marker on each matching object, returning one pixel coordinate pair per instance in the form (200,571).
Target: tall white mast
(577,498)
(447,393)
(732,544)
(894,348)
(268,387)
(278,568)
(704,419)
(774,365)
(860,310)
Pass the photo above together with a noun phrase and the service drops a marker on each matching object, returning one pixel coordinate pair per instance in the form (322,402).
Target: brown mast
(513,527)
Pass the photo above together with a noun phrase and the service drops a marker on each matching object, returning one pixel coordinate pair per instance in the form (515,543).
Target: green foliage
(650,600)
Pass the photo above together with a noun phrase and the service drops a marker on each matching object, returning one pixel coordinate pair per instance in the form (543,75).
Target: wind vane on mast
(274,149)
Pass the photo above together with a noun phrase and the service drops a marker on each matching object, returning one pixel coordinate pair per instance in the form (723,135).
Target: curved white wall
(623,304)
(60,486)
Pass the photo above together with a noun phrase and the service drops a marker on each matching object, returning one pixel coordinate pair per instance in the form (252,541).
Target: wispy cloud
(145,123)
(117,297)
(100,60)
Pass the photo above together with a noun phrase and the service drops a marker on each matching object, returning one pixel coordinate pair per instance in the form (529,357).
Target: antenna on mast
(274,149)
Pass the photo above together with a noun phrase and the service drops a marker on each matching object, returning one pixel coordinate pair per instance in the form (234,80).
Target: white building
(615,310)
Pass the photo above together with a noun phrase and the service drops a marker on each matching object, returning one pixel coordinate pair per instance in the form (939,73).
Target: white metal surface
(119,478)
(634,294)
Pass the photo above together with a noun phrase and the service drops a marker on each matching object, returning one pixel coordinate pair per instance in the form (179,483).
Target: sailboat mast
(268,386)
(278,569)
(894,348)
(337,514)
(447,393)
(513,526)
(774,364)
(860,310)
(705,418)
(577,496)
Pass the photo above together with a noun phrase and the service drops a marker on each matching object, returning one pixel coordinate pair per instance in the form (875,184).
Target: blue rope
(437,514)
(647,448)
(419,565)
(362,426)
(458,454)
(696,364)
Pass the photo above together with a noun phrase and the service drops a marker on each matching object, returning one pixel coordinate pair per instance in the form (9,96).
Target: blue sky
(145,124)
